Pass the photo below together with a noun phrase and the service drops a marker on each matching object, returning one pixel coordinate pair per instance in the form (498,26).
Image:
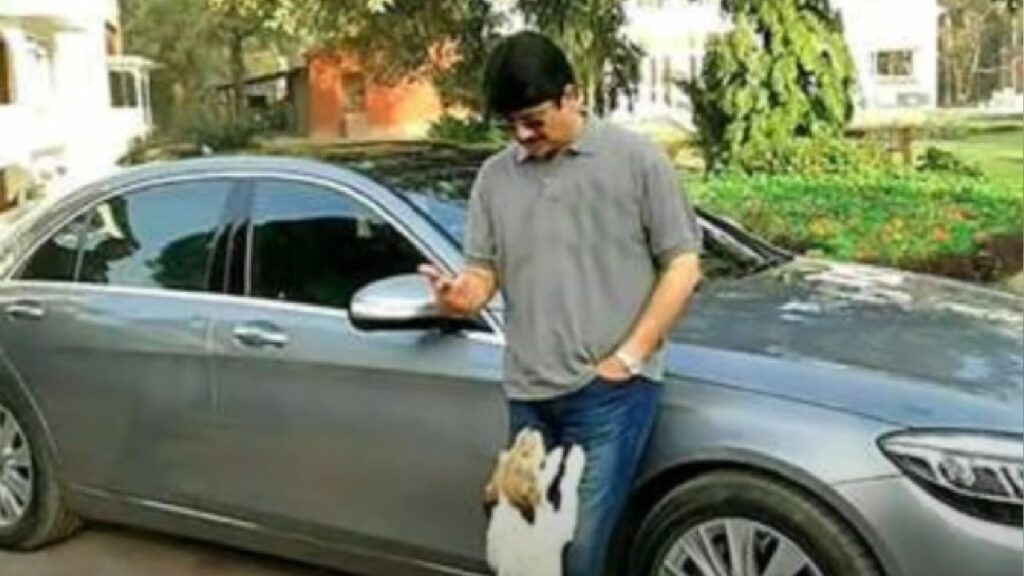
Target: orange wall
(390,110)
(324,95)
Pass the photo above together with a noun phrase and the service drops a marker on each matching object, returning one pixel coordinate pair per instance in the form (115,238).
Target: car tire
(720,508)
(47,517)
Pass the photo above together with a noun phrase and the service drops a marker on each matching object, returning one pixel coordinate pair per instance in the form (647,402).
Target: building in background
(331,96)
(896,62)
(70,101)
(328,94)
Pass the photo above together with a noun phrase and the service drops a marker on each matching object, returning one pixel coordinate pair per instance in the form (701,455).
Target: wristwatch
(633,364)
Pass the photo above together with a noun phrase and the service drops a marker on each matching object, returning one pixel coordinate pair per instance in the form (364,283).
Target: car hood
(907,348)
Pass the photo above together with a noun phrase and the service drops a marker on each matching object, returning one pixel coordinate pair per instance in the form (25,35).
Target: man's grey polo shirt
(576,242)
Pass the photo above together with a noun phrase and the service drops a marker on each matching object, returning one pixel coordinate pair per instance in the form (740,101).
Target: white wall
(28,124)
(62,114)
(83,105)
(673,35)
(876,25)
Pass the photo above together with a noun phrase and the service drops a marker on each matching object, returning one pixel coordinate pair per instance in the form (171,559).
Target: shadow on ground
(113,551)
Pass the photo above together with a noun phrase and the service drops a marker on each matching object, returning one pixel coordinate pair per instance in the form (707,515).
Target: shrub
(948,129)
(464,131)
(155,148)
(946,162)
(907,220)
(813,157)
(223,134)
(207,127)
(956,128)
(782,72)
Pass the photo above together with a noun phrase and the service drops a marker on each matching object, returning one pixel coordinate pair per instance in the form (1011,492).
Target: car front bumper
(917,535)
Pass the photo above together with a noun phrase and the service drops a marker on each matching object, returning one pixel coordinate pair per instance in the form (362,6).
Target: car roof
(227,163)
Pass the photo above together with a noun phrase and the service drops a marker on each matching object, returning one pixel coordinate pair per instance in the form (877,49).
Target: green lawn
(1000,155)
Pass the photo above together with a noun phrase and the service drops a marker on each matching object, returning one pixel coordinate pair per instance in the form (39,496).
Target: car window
(159,237)
(312,245)
(56,258)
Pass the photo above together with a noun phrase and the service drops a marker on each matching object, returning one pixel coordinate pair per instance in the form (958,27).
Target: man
(583,227)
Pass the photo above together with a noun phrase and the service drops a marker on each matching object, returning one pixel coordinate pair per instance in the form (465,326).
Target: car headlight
(980,474)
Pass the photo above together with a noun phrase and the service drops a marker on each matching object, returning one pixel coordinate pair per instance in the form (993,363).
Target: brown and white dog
(532,499)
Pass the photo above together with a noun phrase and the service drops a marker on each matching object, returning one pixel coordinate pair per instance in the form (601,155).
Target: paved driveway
(110,551)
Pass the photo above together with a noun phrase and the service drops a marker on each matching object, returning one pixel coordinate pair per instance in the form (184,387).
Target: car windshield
(436,179)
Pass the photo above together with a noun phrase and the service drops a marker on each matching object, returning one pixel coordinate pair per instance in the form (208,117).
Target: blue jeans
(612,422)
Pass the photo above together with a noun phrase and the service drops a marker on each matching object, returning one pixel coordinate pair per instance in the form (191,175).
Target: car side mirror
(402,303)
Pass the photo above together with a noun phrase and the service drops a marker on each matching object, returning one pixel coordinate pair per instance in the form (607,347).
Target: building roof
(54,14)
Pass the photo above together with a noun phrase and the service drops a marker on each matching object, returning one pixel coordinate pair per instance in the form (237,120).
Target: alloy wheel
(735,547)
(16,471)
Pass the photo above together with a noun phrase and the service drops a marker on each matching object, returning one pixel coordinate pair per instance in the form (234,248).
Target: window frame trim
(18,269)
(8,96)
(346,191)
(875,61)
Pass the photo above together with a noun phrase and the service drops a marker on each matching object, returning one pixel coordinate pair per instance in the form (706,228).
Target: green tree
(446,42)
(784,72)
(977,42)
(606,61)
(176,34)
(241,24)
(200,43)
(402,37)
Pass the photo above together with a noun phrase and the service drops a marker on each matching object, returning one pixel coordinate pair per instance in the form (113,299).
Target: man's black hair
(524,70)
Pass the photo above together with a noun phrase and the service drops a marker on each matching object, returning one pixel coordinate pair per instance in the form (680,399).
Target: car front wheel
(734,523)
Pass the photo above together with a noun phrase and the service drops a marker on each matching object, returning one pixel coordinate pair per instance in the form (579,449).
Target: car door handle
(260,335)
(25,310)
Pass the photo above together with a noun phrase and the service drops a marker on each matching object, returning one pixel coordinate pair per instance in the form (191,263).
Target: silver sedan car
(238,350)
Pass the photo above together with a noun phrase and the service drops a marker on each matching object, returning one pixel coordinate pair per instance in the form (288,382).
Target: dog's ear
(489,508)
(528,511)
(528,499)
(490,496)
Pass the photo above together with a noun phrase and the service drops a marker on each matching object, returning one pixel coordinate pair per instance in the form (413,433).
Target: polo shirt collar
(585,144)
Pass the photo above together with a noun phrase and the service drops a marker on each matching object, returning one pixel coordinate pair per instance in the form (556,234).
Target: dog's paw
(575,462)
(552,464)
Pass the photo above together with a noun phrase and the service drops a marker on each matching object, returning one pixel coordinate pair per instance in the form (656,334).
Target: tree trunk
(600,101)
(236,64)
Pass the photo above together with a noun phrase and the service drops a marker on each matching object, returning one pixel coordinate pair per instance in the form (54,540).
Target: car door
(378,440)
(107,322)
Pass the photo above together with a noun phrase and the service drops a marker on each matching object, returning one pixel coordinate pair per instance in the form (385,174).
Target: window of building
(667,81)
(39,86)
(894,63)
(123,93)
(6,74)
(653,75)
(113,39)
(5,201)
(354,87)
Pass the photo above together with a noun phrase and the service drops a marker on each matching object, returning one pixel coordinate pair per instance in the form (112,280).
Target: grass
(1000,155)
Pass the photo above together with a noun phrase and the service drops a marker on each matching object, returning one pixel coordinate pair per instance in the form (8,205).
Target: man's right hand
(463,295)
(439,282)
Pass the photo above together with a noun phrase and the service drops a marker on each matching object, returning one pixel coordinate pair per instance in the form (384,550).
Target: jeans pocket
(606,383)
